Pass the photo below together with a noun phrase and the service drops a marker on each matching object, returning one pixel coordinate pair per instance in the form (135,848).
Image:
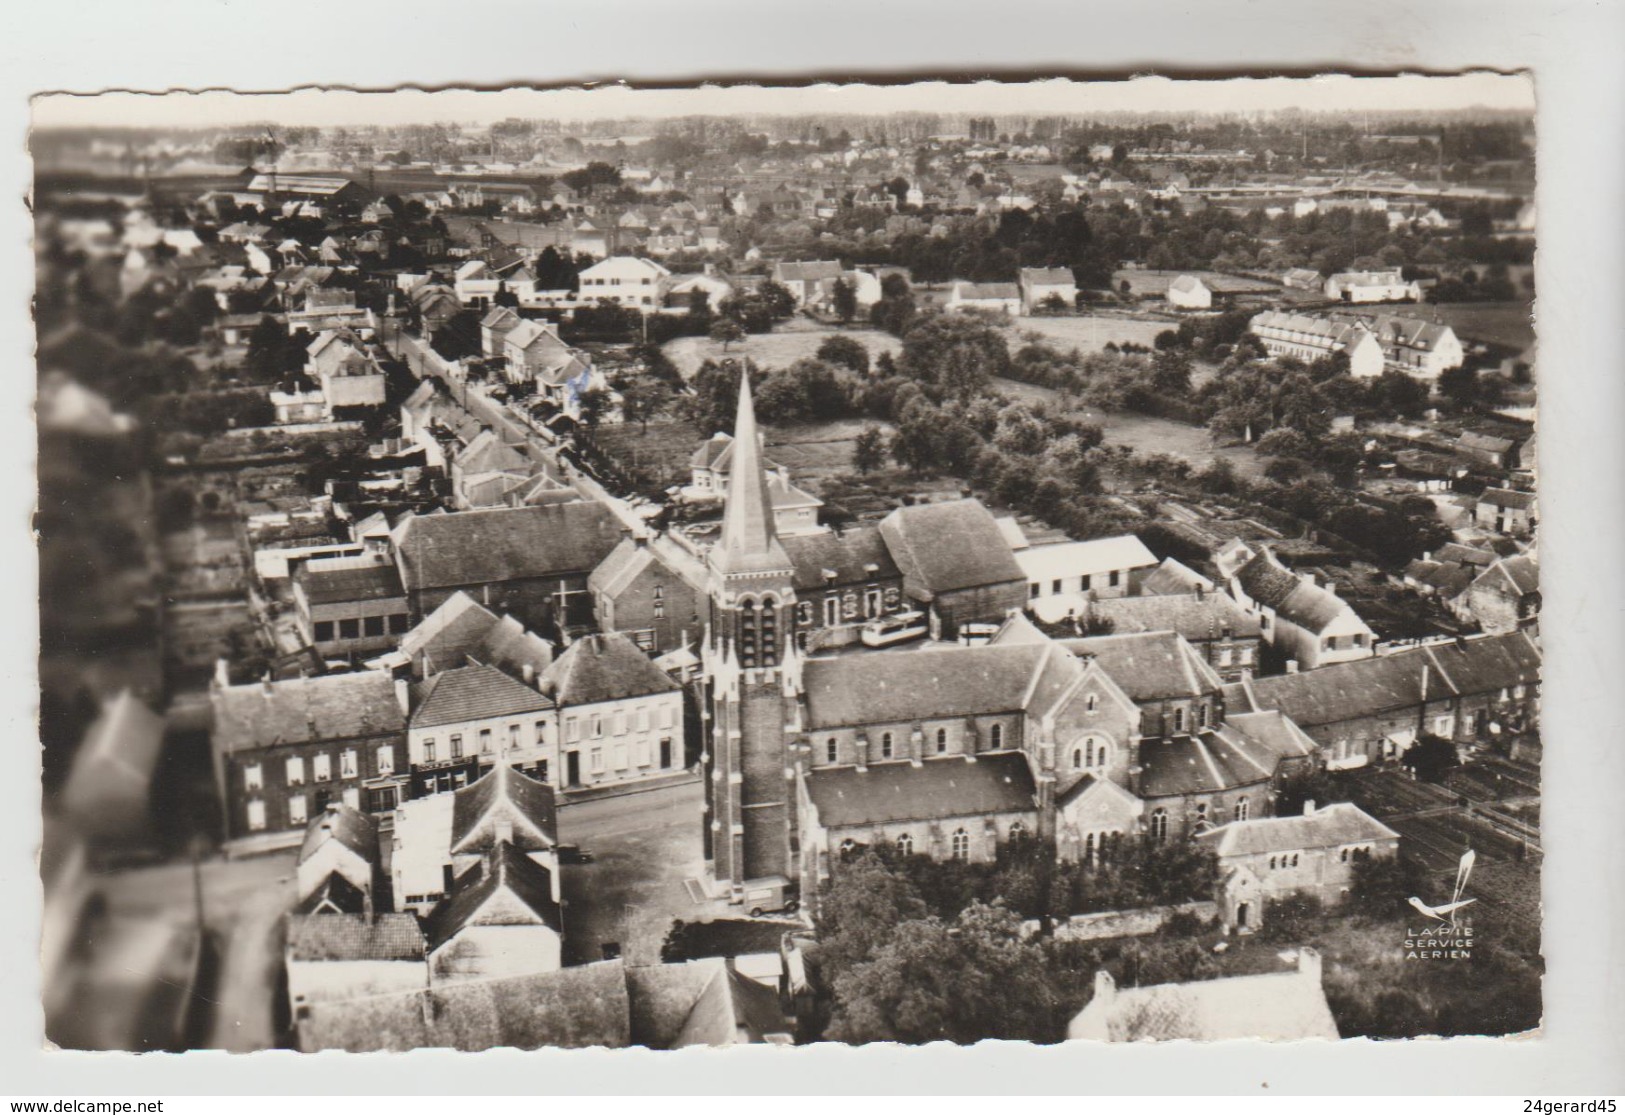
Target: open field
(1146,434)
(1497,323)
(1090,334)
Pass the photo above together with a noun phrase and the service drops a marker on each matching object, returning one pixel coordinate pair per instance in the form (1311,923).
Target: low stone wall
(1127,923)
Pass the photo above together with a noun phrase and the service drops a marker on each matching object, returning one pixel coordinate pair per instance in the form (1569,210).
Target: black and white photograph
(1044,561)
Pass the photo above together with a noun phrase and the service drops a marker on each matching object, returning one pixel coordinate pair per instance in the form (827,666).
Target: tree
(1460,385)
(643,399)
(591,406)
(869,450)
(844,300)
(845,352)
(1284,443)
(726,330)
(1431,757)
(973,978)
(958,354)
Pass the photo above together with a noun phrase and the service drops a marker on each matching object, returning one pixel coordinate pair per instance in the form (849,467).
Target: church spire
(748,543)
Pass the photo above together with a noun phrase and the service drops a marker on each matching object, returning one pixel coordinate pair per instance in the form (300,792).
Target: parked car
(572,853)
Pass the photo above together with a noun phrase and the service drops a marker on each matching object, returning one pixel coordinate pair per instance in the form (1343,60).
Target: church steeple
(749,543)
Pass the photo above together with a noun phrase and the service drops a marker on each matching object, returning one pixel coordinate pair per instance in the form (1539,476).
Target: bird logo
(1446,912)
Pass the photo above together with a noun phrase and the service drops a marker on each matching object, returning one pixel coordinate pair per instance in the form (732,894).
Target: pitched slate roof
(807,272)
(1366,686)
(1211,616)
(573,1008)
(855,556)
(1506,497)
(466,693)
(305,710)
(1515,576)
(1293,598)
(1214,759)
(732,1009)
(944,547)
(948,786)
(379,581)
(350,827)
(605,667)
(329,937)
(931,684)
(1172,578)
(476,897)
(1330,826)
(1276,1006)
(504,544)
(986,291)
(1150,665)
(1048,276)
(1187,284)
(523,809)
(1329,332)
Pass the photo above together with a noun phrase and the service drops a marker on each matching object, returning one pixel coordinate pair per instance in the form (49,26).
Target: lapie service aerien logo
(1441,935)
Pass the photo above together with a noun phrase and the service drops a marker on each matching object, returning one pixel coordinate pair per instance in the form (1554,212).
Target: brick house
(842,581)
(467,719)
(1221,631)
(1315,852)
(284,749)
(530,562)
(640,591)
(1505,596)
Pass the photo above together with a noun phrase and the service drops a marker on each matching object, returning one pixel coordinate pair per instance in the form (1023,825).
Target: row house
(1424,349)
(620,716)
(284,749)
(1307,337)
(642,591)
(1099,568)
(1471,691)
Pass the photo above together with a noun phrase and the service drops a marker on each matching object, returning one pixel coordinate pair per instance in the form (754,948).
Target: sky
(1338,93)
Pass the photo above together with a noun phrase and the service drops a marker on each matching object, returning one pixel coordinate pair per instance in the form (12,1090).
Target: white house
(1189,293)
(1310,623)
(1040,284)
(441,837)
(620,715)
(1105,567)
(1372,286)
(625,280)
(1004,298)
(1308,337)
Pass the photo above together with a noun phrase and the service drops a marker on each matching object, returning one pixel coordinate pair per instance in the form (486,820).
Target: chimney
(1201,593)
(1309,963)
(266,688)
(1291,665)
(1106,988)
(504,831)
(403,696)
(1309,807)
(222,673)
(528,673)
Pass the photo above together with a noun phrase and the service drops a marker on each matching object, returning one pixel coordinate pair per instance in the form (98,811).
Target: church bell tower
(751,678)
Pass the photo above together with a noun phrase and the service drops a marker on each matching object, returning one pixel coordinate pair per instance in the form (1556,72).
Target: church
(947,750)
